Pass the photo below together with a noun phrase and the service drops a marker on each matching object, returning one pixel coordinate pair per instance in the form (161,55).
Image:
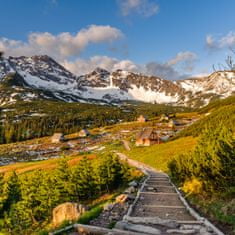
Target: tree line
(22,124)
(27,200)
(27,120)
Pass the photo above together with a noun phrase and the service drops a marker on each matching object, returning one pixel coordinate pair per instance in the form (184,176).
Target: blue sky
(169,38)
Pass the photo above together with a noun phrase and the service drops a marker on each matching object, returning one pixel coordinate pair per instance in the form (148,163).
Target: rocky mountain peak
(100,71)
(43,74)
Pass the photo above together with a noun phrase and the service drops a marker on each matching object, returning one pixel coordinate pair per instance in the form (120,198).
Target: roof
(58,135)
(84,131)
(174,122)
(142,116)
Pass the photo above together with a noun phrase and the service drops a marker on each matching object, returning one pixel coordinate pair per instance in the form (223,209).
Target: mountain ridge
(44,74)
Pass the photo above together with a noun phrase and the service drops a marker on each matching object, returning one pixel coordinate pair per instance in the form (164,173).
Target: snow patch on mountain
(40,77)
(141,94)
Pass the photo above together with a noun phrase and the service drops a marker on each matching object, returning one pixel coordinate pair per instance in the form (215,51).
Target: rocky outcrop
(67,212)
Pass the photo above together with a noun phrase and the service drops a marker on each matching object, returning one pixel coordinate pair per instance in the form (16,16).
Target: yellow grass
(44,165)
(158,156)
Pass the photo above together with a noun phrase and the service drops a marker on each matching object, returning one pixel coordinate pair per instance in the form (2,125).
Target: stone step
(159,178)
(160,189)
(160,199)
(174,213)
(159,206)
(157,193)
(160,183)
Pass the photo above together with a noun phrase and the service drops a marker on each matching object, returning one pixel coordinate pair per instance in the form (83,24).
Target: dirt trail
(159,204)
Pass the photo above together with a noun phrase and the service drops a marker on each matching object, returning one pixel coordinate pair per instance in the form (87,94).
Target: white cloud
(66,48)
(182,56)
(164,70)
(60,46)
(220,43)
(185,59)
(210,41)
(82,66)
(144,8)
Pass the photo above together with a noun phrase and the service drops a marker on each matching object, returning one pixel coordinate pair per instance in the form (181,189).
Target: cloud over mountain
(165,70)
(66,48)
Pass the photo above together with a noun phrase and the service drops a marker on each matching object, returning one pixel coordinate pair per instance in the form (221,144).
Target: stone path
(160,206)
(158,209)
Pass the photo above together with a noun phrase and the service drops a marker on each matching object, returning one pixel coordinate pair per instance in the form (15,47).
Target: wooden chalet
(57,138)
(83,133)
(147,137)
(141,118)
(172,123)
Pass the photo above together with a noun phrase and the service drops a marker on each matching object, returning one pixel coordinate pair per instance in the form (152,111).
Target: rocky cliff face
(46,79)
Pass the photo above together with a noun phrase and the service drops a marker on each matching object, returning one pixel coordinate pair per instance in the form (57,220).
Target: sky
(172,39)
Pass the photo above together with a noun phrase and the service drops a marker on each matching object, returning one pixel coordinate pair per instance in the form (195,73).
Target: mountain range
(41,77)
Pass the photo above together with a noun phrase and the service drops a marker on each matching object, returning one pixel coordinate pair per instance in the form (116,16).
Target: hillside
(217,113)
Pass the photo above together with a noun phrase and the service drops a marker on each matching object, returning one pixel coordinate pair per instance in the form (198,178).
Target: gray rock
(133,184)
(131,197)
(120,225)
(130,190)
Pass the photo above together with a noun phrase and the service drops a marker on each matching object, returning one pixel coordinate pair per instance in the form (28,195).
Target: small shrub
(193,186)
(90,215)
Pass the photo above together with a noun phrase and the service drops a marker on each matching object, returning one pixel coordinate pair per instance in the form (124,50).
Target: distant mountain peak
(41,76)
(100,70)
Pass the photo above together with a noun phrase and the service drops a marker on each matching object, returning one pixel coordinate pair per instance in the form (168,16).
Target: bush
(212,163)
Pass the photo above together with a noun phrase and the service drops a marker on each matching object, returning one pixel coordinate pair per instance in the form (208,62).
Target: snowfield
(46,79)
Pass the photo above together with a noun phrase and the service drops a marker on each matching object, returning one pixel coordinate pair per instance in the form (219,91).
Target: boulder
(133,184)
(67,211)
(130,190)
(131,197)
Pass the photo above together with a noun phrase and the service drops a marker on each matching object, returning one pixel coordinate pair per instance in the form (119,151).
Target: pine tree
(63,178)
(2,193)
(214,157)
(83,180)
(19,219)
(30,186)
(12,190)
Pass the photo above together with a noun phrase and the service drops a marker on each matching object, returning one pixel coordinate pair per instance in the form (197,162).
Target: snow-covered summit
(42,73)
